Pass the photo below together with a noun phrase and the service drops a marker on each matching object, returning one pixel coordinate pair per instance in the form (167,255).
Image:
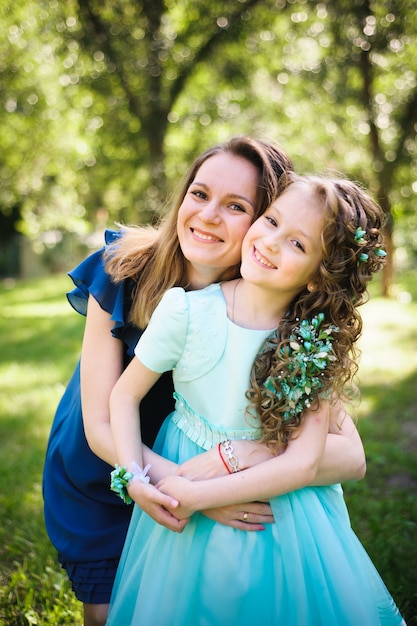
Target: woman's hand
(158,505)
(251,517)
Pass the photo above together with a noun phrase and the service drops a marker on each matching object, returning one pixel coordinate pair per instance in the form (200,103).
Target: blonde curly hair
(352,252)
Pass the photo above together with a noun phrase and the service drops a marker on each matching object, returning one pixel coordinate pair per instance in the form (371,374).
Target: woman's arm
(343,457)
(295,469)
(101,366)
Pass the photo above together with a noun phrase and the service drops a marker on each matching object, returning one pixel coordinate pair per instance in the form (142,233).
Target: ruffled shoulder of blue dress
(90,278)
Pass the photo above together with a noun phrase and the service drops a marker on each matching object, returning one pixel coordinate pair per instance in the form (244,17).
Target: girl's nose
(272,243)
(211,213)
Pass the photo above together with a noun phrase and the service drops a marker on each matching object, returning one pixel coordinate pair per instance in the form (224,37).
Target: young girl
(305,267)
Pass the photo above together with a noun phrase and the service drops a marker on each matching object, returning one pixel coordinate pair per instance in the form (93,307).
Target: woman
(87,524)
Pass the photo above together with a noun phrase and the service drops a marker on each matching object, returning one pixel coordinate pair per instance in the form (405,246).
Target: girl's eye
(271,220)
(298,245)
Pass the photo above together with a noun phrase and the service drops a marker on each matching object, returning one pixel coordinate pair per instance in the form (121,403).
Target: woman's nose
(211,213)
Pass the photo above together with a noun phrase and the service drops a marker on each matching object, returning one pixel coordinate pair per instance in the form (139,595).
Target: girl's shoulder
(209,296)
(192,301)
(206,332)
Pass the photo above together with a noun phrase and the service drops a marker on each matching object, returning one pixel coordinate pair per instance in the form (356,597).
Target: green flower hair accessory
(363,257)
(307,355)
(359,233)
(380,252)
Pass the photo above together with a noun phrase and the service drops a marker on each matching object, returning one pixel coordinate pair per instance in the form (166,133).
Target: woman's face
(216,212)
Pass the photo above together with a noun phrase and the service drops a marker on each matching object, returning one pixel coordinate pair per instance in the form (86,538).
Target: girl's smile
(262,260)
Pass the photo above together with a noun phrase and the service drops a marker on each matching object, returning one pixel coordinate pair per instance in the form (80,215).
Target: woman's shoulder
(90,278)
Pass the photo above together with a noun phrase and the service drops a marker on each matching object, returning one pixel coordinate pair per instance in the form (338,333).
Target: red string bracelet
(229,471)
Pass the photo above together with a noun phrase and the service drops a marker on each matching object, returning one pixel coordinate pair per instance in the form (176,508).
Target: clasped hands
(175,498)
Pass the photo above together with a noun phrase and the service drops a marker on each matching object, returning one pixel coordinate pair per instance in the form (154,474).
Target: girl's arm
(294,469)
(101,367)
(131,387)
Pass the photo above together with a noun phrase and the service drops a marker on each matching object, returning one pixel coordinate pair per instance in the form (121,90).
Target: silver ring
(245,517)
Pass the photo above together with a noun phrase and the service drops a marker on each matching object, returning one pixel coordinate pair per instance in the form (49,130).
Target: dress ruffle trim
(90,278)
(92,581)
(201,432)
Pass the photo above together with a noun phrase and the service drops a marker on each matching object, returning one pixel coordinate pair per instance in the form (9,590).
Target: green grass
(40,340)
(40,343)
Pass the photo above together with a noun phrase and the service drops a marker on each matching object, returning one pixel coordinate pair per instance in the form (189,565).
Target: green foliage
(40,342)
(105,102)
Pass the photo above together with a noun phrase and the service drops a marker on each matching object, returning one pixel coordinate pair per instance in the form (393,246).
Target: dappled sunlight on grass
(40,342)
(22,311)
(389,341)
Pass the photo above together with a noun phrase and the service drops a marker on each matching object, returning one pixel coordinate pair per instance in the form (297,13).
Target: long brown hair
(351,252)
(152,257)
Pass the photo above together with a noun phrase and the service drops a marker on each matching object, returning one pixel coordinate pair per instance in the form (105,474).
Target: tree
(342,76)
(106,102)
(153,48)
(380,50)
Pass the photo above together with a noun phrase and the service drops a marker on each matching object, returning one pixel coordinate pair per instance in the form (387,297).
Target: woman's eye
(199,194)
(237,207)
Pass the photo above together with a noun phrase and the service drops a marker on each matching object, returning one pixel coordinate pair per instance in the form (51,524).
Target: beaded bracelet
(121,478)
(231,457)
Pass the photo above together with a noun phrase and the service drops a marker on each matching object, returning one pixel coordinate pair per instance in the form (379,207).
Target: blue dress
(306,569)
(85,521)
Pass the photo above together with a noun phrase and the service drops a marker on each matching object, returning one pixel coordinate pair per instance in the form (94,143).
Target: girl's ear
(311,287)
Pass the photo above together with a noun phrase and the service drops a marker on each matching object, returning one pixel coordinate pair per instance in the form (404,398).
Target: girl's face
(216,212)
(282,249)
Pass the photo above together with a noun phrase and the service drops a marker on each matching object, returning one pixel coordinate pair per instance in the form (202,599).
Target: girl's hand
(160,506)
(182,496)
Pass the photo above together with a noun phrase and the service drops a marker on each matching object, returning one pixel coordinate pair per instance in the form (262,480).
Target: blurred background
(104,105)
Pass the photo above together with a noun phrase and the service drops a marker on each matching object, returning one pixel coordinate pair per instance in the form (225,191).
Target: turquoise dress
(306,569)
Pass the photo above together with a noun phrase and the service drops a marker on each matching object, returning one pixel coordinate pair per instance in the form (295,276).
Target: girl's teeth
(262,260)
